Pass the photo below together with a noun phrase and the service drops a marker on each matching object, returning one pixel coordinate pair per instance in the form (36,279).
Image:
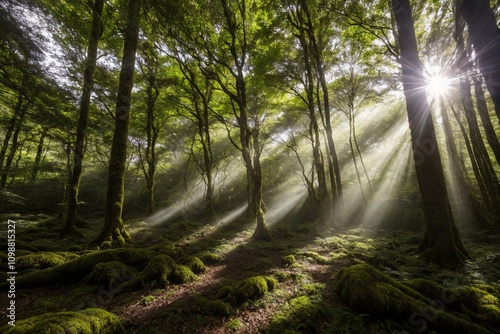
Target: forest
(250,166)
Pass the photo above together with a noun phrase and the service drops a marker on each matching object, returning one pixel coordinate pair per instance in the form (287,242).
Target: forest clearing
(250,166)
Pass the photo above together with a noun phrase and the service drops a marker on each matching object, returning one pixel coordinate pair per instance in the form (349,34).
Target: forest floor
(303,261)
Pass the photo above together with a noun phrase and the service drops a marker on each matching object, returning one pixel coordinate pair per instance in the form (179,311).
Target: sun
(438,85)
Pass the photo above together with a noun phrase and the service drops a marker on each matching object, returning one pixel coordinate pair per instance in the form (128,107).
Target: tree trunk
(316,52)
(38,156)
(81,130)
(485,37)
(14,145)
(114,228)
(466,204)
(475,168)
(480,154)
(482,109)
(441,243)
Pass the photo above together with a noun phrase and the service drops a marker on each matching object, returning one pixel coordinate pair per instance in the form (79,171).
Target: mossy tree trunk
(114,228)
(81,130)
(485,37)
(441,244)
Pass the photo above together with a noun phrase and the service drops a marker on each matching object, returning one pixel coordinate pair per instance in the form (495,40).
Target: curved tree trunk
(441,244)
(114,228)
(81,130)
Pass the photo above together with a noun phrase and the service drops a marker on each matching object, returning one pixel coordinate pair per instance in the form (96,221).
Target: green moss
(157,271)
(182,274)
(91,320)
(368,290)
(214,307)
(105,245)
(320,259)
(289,260)
(234,325)
(299,315)
(73,271)
(43,260)
(195,264)
(282,276)
(145,301)
(113,272)
(254,287)
(225,291)
(428,288)
(210,258)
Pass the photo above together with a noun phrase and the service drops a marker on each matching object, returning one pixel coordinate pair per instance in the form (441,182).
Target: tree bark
(441,244)
(38,156)
(114,228)
(14,144)
(316,52)
(485,37)
(81,130)
(482,109)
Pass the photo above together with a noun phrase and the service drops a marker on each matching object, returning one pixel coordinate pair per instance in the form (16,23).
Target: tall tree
(441,243)
(113,222)
(485,37)
(88,74)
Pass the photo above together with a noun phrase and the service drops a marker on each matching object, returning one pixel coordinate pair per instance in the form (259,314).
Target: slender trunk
(482,108)
(441,243)
(353,155)
(480,154)
(14,146)
(66,180)
(316,52)
(355,140)
(485,37)
(81,130)
(152,93)
(467,204)
(479,179)
(113,222)
(38,156)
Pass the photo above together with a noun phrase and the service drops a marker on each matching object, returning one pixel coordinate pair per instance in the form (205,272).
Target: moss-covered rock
(480,303)
(214,307)
(368,290)
(73,271)
(289,260)
(158,271)
(320,259)
(91,320)
(44,260)
(182,274)
(225,291)
(112,273)
(210,258)
(254,287)
(195,264)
